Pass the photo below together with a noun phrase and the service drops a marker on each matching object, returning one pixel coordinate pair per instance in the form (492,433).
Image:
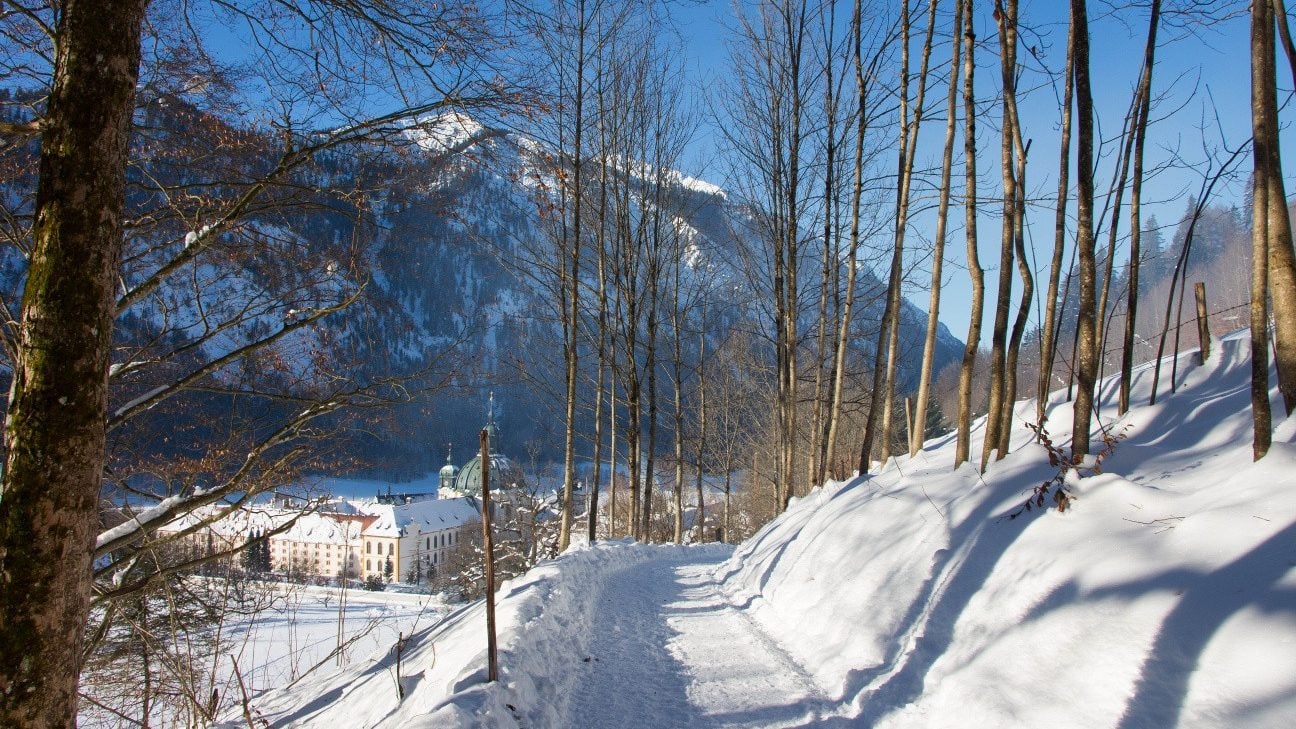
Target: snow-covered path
(669,651)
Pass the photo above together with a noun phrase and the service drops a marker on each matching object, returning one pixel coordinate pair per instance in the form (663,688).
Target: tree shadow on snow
(978,542)
(1207,602)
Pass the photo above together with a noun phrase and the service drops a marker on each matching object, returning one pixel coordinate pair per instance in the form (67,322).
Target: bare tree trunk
(938,252)
(55,425)
(1049,331)
(677,366)
(571,316)
(702,424)
(1267,164)
(852,258)
(1023,306)
(794,35)
(1136,195)
(1087,333)
(1282,256)
(827,278)
(888,402)
(963,445)
(885,353)
(612,457)
(999,336)
(650,364)
(1020,152)
(602,352)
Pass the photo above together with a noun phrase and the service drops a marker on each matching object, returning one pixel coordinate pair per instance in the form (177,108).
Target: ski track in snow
(668,651)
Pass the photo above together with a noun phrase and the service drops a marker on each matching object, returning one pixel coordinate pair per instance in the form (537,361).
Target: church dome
(504,474)
(448,472)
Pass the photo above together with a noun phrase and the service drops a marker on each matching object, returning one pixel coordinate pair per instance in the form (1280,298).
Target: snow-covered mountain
(447,232)
(462,237)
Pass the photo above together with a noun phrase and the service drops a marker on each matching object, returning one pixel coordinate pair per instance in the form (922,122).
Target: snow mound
(1165,597)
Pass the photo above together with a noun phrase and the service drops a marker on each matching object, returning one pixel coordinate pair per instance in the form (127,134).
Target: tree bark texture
(1282,257)
(55,430)
(1266,161)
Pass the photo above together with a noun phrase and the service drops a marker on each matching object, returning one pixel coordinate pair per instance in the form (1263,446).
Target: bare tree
(975,272)
(1269,206)
(938,250)
(1013,163)
(1087,328)
(1049,329)
(88,286)
(884,359)
(768,131)
(865,112)
(1281,254)
(1144,94)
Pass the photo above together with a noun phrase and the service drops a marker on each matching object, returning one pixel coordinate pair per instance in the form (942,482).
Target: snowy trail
(669,651)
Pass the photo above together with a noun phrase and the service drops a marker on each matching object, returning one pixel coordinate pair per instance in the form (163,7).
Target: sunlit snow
(1165,597)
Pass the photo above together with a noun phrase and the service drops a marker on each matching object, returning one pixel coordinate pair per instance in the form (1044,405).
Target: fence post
(492,662)
(1203,326)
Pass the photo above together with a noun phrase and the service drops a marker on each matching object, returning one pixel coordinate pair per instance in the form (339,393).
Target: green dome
(503,475)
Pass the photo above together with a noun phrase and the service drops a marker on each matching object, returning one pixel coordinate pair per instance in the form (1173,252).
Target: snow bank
(1165,597)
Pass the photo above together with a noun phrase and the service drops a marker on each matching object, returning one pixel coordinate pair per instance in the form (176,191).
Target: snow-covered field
(1165,597)
(306,625)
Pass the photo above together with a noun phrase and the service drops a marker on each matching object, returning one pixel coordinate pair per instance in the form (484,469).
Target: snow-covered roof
(420,516)
(336,522)
(319,527)
(238,523)
(324,528)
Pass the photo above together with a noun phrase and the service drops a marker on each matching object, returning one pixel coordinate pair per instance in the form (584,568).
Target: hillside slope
(1165,597)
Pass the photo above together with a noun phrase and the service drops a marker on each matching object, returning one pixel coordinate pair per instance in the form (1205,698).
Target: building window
(390,548)
(368,547)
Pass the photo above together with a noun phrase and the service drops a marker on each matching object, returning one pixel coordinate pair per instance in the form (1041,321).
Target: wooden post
(492,665)
(1203,327)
